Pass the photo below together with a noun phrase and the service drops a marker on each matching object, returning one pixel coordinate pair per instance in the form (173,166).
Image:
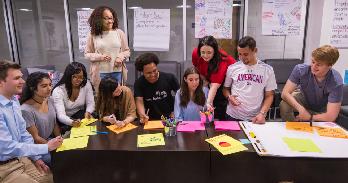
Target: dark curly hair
(31,84)
(198,97)
(96,20)
(217,57)
(144,59)
(70,70)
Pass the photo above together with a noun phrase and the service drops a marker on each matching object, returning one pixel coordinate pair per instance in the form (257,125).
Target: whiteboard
(269,137)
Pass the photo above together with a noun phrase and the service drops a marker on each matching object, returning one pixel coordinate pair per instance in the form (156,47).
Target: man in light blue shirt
(20,158)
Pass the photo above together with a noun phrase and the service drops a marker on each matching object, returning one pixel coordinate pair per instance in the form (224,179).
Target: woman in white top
(73,96)
(107,46)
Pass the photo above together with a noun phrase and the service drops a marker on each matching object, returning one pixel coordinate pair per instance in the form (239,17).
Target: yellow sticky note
(85,121)
(83,131)
(301,145)
(117,130)
(332,132)
(299,126)
(73,143)
(226,144)
(153,125)
(147,140)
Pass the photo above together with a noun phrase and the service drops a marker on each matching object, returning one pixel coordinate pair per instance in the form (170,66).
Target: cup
(170,131)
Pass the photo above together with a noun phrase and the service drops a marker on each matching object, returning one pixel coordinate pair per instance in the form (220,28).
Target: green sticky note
(301,145)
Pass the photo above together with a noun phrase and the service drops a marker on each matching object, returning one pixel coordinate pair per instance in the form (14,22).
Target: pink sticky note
(190,126)
(226,125)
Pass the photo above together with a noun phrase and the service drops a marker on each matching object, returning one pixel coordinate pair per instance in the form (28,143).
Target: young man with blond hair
(321,89)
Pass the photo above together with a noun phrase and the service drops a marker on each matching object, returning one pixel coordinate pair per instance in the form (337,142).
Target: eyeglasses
(77,77)
(108,18)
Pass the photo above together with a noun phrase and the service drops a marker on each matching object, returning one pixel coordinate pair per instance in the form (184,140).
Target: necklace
(37,101)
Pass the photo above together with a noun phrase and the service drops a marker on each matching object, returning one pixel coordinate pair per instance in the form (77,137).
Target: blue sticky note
(244,141)
(346,77)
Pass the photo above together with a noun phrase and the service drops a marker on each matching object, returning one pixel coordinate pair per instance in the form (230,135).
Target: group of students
(240,90)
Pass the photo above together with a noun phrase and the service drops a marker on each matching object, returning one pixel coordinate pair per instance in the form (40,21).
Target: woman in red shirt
(212,64)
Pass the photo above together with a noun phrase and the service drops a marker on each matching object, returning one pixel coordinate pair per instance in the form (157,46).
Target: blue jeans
(115,75)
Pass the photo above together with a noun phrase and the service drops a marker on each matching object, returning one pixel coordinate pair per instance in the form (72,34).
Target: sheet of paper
(226,125)
(147,140)
(244,141)
(332,132)
(85,121)
(226,144)
(190,126)
(74,143)
(153,125)
(117,130)
(299,126)
(301,145)
(83,131)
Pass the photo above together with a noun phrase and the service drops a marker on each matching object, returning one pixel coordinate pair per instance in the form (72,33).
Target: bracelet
(263,113)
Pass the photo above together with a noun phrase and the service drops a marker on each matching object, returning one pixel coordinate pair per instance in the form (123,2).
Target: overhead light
(236,5)
(134,7)
(24,9)
(187,6)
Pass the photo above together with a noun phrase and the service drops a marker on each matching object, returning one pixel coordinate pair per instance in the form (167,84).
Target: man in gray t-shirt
(321,89)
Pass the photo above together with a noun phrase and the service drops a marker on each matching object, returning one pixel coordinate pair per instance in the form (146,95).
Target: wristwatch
(263,113)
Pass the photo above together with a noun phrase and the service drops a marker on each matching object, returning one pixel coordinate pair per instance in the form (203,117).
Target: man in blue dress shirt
(20,158)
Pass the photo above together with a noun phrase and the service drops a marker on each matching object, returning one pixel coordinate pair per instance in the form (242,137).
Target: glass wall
(41,33)
(77,5)
(175,52)
(4,47)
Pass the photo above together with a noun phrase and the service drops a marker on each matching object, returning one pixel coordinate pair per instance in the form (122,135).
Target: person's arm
(287,96)
(267,102)
(212,92)
(139,101)
(58,100)
(90,103)
(90,51)
(56,130)
(178,112)
(35,134)
(332,111)
(125,51)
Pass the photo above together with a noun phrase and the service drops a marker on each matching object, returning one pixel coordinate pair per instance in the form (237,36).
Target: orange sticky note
(153,125)
(299,126)
(332,132)
(117,130)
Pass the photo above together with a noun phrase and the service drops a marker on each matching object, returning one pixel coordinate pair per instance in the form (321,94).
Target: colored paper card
(190,126)
(83,131)
(118,130)
(153,125)
(346,77)
(332,132)
(245,141)
(226,125)
(299,126)
(85,121)
(226,144)
(74,143)
(301,145)
(147,140)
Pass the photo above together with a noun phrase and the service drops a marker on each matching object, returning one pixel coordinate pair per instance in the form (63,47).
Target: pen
(147,112)
(99,132)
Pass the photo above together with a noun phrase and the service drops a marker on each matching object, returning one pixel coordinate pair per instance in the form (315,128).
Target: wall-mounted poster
(281,17)
(151,29)
(83,28)
(339,27)
(213,17)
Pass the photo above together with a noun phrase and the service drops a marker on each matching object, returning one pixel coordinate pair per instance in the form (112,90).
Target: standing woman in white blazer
(107,47)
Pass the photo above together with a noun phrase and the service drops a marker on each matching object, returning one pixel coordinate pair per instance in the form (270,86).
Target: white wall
(319,23)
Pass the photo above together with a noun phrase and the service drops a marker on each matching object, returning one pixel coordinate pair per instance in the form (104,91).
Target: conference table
(185,157)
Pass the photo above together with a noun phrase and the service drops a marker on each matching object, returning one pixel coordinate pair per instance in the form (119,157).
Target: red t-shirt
(202,66)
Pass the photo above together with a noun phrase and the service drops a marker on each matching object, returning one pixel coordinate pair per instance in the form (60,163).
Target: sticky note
(226,144)
(299,126)
(301,145)
(147,140)
(153,125)
(117,130)
(83,131)
(74,143)
(245,141)
(190,126)
(332,132)
(85,121)
(226,125)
